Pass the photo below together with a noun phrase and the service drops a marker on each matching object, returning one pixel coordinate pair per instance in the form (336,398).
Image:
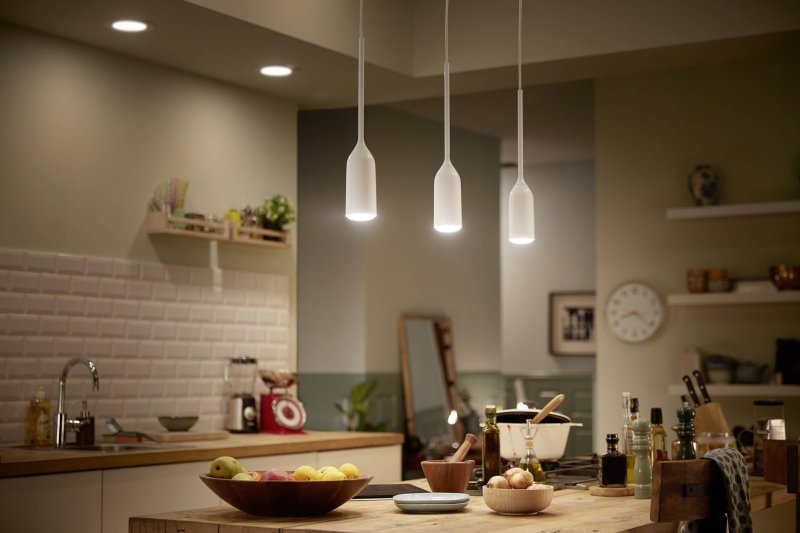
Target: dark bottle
(84,436)
(686,432)
(491,445)
(613,465)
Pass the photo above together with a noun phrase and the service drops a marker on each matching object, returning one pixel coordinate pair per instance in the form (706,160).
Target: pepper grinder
(642,474)
(685,432)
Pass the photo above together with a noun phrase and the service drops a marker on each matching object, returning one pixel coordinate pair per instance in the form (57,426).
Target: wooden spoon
(552,404)
(469,440)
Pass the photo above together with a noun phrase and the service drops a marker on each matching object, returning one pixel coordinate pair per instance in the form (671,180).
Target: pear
(350,470)
(306,473)
(333,474)
(243,476)
(226,467)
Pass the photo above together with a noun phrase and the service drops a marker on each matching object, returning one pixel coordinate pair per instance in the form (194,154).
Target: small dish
(177,423)
(433,502)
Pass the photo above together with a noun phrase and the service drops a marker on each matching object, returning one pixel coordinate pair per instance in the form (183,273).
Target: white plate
(432,502)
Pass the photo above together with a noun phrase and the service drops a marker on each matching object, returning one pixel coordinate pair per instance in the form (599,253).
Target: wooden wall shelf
(733,210)
(161,223)
(741,390)
(733,298)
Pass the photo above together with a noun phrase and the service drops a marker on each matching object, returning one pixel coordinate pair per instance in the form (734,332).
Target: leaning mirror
(429,379)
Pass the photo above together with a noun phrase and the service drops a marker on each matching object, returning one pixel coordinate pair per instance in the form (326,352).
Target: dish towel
(733,467)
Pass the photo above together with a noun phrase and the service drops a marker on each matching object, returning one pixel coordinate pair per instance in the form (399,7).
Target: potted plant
(275,212)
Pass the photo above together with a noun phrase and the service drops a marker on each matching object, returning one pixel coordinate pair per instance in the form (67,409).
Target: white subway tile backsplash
(112,327)
(123,348)
(151,349)
(83,327)
(70,264)
(140,290)
(54,325)
(164,330)
(99,266)
(14,303)
(160,337)
(125,309)
(23,281)
(12,259)
(152,271)
(152,310)
(40,261)
(22,324)
(113,288)
(70,305)
(100,307)
(126,269)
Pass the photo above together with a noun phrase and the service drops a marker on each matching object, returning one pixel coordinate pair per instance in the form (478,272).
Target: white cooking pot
(549,437)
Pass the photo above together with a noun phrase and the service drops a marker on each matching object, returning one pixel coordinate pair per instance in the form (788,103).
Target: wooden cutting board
(597,490)
(187,436)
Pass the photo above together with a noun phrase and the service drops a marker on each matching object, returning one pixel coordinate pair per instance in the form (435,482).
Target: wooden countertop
(571,510)
(26,461)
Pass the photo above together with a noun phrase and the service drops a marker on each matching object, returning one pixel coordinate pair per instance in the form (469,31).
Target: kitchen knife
(702,385)
(692,393)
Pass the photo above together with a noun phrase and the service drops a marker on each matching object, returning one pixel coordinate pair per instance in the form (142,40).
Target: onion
(511,471)
(520,480)
(498,482)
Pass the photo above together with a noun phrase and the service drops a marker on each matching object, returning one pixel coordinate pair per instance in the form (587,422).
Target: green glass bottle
(491,445)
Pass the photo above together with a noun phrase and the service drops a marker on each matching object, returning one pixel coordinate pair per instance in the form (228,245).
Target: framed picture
(572,323)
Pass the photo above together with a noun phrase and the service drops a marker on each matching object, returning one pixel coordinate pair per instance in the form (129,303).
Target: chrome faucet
(62,422)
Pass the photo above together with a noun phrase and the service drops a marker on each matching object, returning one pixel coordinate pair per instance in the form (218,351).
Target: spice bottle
(613,465)
(491,445)
(39,433)
(529,461)
(642,474)
(658,437)
(686,432)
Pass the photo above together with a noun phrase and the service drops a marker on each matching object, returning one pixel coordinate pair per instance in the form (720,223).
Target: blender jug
(240,380)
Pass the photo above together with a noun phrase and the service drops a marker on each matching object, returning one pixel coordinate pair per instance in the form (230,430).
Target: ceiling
(565,44)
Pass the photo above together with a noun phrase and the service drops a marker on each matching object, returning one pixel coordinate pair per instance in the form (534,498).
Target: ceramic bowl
(285,498)
(518,501)
(177,423)
(448,476)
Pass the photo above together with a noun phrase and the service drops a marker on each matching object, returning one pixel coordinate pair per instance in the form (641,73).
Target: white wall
(651,129)
(356,278)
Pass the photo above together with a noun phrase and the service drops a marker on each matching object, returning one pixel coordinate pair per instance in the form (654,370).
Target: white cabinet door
(382,462)
(67,503)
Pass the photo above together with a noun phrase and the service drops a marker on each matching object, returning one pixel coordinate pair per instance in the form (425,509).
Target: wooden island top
(15,461)
(571,510)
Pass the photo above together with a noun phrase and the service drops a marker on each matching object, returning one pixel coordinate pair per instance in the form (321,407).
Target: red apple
(275,474)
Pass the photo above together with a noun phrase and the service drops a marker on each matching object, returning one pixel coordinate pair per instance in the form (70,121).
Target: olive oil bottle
(39,433)
(491,445)
(529,461)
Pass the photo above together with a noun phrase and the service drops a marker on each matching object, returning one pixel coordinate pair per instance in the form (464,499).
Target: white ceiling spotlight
(129,26)
(520,200)
(276,71)
(447,184)
(361,203)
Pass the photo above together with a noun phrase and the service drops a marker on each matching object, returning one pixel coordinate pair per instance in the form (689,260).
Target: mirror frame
(443,331)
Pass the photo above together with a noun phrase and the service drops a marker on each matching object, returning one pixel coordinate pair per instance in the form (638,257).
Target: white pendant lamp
(520,200)
(360,202)
(447,184)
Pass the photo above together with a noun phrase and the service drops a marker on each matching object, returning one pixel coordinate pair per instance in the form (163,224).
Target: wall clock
(634,312)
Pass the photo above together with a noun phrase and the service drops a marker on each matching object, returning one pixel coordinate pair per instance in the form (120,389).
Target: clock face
(634,312)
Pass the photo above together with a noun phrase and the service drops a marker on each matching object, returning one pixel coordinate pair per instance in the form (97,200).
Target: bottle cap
(40,392)
(491,410)
(655,415)
(612,438)
(634,405)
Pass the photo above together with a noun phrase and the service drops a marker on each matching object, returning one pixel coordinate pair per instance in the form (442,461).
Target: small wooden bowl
(448,476)
(285,498)
(518,501)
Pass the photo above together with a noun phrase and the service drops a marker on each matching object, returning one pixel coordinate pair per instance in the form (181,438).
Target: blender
(281,412)
(240,380)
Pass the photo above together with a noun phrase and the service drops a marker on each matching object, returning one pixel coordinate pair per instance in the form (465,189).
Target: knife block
(710,418)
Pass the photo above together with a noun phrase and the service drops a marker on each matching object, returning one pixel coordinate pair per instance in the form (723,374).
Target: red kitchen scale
(280,412)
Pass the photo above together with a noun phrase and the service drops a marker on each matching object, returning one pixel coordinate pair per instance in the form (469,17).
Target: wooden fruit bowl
(285,498)
(518,501)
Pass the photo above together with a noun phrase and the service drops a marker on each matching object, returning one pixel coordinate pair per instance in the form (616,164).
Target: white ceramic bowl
(518,501)
(549,440)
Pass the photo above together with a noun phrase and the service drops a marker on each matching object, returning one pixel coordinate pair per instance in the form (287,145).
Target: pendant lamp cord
(520,164)
(446,83)
(361,72)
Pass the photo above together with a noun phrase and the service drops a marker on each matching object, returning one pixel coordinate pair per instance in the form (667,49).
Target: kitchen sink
(108,447)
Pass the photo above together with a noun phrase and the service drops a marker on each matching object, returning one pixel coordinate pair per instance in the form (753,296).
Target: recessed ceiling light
(276,71)
(129,26)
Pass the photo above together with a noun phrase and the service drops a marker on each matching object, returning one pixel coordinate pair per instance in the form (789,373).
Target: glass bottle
(529,461)
(613,465)
(491,445)
(39,433)
(626,418)
(658,437)
(629,455)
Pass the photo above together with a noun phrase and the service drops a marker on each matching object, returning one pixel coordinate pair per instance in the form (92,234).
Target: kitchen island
(571,510)
(93,492)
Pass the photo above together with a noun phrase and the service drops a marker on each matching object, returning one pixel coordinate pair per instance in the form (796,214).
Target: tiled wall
(159,334)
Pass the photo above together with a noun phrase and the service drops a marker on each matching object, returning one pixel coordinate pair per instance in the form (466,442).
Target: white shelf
(731,298)
(740,390)
(733,210)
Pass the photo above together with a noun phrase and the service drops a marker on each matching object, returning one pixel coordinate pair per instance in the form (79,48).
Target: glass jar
(707,441)
(697,280)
